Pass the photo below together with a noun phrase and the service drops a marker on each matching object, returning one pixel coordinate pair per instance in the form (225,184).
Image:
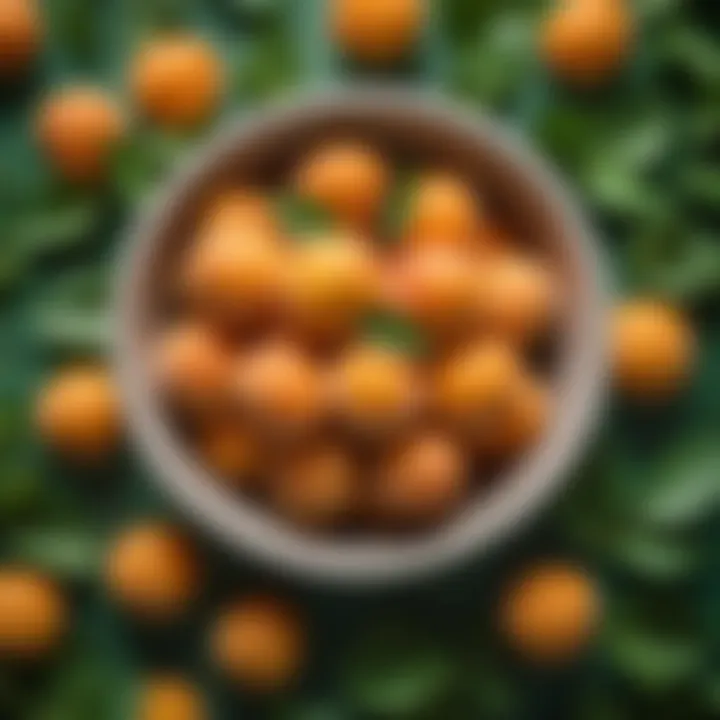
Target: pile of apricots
(285,392)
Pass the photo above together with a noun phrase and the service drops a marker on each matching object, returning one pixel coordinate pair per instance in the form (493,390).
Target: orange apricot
(177,80)
(78,128)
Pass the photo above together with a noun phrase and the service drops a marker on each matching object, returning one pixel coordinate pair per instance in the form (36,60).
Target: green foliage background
(642,512)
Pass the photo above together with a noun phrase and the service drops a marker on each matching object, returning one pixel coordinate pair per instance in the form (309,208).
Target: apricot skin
(653,348)
(259,642)
(177,80)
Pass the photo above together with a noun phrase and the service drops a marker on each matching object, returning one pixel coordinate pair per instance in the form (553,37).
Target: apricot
(348,178)
(444,210)
(422,480)
(654,349)
(281,388)
(233,451)
(78,128)
(33,614)
(550,612)
(586,41)
(375,389)
(243,215)
(318,487)
(235,280)
(440,287)
(78,413)
(168,697)
(153,571)
(177,80)
(20,35)
(517,298)
(260,643)
(193,366)
(521,424)
(377,31)
(475,383)
(332,282)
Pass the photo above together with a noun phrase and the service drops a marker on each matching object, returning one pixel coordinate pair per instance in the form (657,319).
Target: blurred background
(620,579)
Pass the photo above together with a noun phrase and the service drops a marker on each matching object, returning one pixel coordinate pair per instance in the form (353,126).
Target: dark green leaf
(652,658)
(303,710)
(701,184)
(21,492)
(398,673)
(60,225)
(683,269)
(687,487)
(67,551)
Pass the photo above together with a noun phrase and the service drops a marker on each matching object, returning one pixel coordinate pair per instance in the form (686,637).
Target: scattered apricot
(33,614)
(376,390)
(348,178)
(177,80)
(20,35)
(422,481)
(78,413)
(167,697)
(78,127)
(475,383)
(260,643)
(517,298)
(586,41)
(444,210)
(550,613)
(281,388)
(332,282)
(377,31)
(193,366)
(654,348)
(317,488)
(152,570)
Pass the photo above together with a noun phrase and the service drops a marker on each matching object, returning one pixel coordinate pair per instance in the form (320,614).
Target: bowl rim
(245,530)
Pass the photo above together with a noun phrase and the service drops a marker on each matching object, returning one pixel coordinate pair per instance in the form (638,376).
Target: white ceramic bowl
(530,198)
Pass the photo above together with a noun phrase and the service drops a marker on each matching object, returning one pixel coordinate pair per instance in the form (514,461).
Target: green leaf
(21,492)
(85,688)
(301,217)
(396,332)
(60,225)
(398,673)
(68,552)
(398,207)
(492,67)
(701,184)
(145,159)
(687,487)
(684,268)
(74,24)
(493,693)
(304,710)
(651,657)
(269,67)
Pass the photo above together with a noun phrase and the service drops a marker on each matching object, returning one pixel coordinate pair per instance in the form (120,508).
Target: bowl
(534,203)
